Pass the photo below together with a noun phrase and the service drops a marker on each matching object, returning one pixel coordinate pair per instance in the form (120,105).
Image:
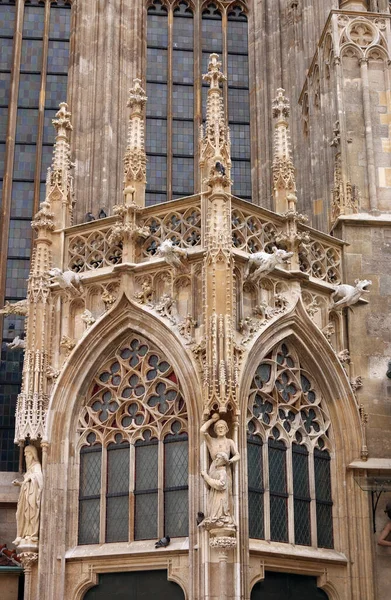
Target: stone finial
(135,159)
(215,159)
(284,183)
(59,182)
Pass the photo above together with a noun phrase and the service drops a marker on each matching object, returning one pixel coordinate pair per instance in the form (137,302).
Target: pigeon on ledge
(102,214)
(89,217)
(163,542)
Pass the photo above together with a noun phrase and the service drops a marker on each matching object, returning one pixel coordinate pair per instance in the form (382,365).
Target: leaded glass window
(135,412)
(288,454)
(176,60)
(30,92)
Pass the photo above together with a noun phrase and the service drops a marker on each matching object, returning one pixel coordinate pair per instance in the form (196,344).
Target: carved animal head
(361,284)
(166,247)
(282,255)
(55,272)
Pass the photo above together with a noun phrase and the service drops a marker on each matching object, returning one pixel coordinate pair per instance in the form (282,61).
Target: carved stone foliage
(92,250)
(183,228)
(321,261)
(136,392)
(251,233)
(286,402)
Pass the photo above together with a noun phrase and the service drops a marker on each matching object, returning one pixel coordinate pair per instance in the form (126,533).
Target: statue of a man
(223,453)
(29,502)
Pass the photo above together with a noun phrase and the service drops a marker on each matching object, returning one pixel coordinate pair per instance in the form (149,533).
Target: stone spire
(284,183)
(135,160)
(59,182)
(215,158)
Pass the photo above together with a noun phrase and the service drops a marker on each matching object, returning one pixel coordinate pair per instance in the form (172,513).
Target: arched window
(133,450)
(176,60)
(288,454)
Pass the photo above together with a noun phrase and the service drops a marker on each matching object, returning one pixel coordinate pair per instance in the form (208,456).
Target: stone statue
(29,502)
(220,506)
(264,263)
(67,280)
(346,295)
(172,254)
(223,453)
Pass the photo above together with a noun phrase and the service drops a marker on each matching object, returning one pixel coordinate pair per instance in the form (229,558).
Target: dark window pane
(31,59)
(212,35)
(29,88)
(89,494)
(176,513)
(2,159)
(238,106)
(156,136)
(156,64)
(182,66)
(278,492)
(237,36)
(60,22)
(324,520)
(49,133)
(255,487)
(176,464)
(183,175)
(240,141)
(13,326)
(182,101)
(157,100)
(34,21)
(301,492)
(7,20)
(24,162)
(22,199)
(11,365)
(58,57)
(117,508)
(183,32)
(19,242)
(237,70)
(5,79)
(47,157)
(3,123)
(241,176)
(146,467)
(6,54)
(183,137)
(152,198)
(157,33)
(56,90)
(157,173)
(26,125)
(145,522)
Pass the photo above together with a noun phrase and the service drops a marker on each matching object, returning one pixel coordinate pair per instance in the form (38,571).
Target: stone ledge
(297,552)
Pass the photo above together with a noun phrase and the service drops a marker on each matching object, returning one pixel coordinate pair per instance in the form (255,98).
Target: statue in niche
(29,502)
(223,453)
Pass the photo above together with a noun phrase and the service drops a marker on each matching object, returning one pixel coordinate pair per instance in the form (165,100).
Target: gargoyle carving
(346,295)
(145,296)
(67,280)
(17,342)
(172,254)
(265,263)
(186,328)
(15,308)
(165,307)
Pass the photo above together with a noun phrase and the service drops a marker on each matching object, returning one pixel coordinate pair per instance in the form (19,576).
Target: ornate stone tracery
(283,395)
(134,392)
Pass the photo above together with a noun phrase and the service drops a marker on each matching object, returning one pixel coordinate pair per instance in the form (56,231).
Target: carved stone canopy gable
(285,396)
(135,391)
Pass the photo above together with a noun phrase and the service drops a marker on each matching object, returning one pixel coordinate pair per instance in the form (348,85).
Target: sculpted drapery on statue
(223,453)
(29,502)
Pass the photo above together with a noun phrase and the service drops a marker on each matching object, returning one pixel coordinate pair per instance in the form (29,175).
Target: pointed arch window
(288,454)
(176,60)
(133,450)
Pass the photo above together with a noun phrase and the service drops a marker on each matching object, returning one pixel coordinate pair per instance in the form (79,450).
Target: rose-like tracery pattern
(135,390)
(284,395)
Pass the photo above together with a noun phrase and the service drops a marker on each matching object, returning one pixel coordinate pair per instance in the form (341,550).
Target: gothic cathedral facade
(195,299)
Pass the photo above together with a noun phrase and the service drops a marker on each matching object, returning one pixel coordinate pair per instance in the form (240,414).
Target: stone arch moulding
(95,348)
(322,360)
